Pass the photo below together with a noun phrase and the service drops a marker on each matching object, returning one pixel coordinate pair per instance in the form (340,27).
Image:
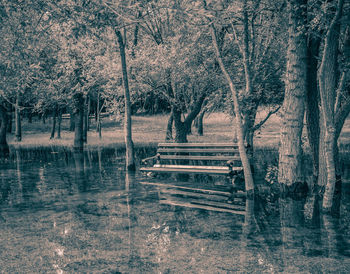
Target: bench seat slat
(192,166)
(189,170)
(200,157)
(217,145)
(198,150)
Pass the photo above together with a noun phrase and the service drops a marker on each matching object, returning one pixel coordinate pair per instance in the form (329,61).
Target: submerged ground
(81,213)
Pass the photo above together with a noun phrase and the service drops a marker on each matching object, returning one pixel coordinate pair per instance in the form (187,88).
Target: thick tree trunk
(169,128)
(327,79)
(79,117)
(18,132)
(312,100)
(180,128)
(248,176)
(54,116)
(4,148)
(130,156)
(290,151)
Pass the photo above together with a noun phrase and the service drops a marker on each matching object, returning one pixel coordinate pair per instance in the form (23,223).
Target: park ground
(148,130)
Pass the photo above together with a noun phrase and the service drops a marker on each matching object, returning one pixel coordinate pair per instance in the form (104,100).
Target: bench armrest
(157,157)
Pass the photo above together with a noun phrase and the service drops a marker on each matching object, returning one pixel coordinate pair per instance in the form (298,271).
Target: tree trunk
(327,79)
(169,128)
(4,148)
(85,120)
(248,126)
(72,121)
(290,151)
(200,123)
(98,116)
(130,156)
(249,112)
(180,129)
(88,113)
(30,117)
(79,117)
(54,115)
(10,118)
(18,133)
(248,176)
(189,129)
(59,122)
(312,100)
(322,166)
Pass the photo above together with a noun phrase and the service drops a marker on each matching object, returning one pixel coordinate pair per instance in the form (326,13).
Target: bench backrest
(218,152)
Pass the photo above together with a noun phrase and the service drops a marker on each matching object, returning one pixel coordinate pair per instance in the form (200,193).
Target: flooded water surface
(84,214)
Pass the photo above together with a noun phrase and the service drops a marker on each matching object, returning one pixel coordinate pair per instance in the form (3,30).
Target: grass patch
(150,130)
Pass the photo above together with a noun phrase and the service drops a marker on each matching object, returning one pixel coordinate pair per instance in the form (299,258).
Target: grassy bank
(150,130)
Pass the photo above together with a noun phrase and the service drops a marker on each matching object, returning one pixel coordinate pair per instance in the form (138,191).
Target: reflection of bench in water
(198,198)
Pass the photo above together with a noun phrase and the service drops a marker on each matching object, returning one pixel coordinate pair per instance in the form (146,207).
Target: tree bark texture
(327,79)
(290,151)
(79,117)
(18,132)
(4,148)
(130,156)
(248,176)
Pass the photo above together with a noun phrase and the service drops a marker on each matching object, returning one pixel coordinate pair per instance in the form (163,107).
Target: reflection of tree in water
(259,237)
(81,178)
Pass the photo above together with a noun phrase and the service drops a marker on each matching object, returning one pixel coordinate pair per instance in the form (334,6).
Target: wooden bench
(195,158)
